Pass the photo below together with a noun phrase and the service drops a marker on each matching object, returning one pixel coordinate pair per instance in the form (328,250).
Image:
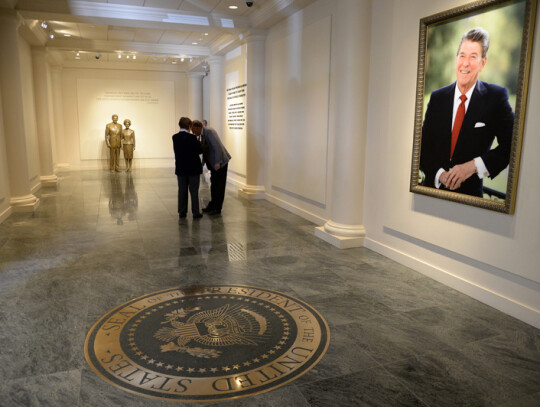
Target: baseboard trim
(5,214)
(296,210)
(493,299)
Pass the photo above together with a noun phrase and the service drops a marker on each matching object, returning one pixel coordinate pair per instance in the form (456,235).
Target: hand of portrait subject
(217,166)
(457,175)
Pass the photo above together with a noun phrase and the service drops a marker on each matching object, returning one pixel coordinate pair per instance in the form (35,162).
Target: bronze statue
(128,143)
(113,138)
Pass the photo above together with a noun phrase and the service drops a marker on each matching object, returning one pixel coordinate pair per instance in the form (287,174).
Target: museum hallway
(98,240)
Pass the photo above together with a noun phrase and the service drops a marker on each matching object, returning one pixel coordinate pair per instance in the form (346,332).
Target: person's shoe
(207,209)
(215,212)
(182,215)
(197,216)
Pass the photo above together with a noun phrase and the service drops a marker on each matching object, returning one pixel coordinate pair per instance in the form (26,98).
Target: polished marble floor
(98,240)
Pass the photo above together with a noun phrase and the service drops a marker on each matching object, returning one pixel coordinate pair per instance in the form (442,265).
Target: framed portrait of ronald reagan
(471,96)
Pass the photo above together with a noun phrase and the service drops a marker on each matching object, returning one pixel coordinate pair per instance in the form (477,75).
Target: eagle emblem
(214,329)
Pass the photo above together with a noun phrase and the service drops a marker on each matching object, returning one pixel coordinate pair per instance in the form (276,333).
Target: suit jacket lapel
(447,119)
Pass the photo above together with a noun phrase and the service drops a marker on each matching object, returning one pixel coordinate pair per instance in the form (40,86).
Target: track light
(44,24)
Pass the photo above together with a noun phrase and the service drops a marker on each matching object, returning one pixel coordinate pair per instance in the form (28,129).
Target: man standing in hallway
(216,157)
(188,168)
(113,138)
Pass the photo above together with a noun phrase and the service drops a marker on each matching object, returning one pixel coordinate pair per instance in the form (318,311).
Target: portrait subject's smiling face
(469,64)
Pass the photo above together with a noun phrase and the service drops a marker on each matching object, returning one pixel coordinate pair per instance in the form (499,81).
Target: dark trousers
(218,181)
(191,183)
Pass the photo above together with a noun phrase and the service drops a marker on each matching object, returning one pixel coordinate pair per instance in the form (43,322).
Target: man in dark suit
(462,120)
(188,168)
(216,157)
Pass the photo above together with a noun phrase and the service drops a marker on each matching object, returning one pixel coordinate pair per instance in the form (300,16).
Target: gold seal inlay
(207,343)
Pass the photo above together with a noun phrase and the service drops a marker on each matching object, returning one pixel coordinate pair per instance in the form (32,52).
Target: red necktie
(457,123)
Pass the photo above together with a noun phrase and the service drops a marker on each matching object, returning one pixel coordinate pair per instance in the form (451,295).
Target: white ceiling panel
(127,2)
(199,6)
(93,32)
(174,37)
(166,4)
(121,34)
(65,28)
(223,7)
(148,35)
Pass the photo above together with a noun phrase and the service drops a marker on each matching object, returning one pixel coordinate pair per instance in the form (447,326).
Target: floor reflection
(123,200)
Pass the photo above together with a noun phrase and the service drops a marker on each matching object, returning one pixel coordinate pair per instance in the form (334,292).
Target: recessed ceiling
(149,29)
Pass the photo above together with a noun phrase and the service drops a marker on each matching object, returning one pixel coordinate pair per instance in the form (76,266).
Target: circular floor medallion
(207,343)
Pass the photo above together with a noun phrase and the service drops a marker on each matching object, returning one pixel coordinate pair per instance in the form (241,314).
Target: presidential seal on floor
(207,343)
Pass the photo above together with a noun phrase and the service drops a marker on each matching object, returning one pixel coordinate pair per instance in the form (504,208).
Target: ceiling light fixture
(119,56)
(51,36)
(233,7)
(182,59)
(134,56)
(44,24)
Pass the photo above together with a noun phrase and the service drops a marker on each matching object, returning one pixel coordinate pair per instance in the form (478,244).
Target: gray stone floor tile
(397,338)
(56,389)
(374,387)
(452,378)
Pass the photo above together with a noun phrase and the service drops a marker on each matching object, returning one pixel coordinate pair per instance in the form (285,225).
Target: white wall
(153,131)
(206,97)
(30,125)
(5,209)
(490,256)
(235,140)
(298,115)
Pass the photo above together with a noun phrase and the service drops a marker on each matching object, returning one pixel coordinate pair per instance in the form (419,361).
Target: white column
(349,101)
(255,118)
(217,92)
(22,199)
(60,141)
(43,115)
(195,95)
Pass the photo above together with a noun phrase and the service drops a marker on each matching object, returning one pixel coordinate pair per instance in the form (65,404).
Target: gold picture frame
(510,24)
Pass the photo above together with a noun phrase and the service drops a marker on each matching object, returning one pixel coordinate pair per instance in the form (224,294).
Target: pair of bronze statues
(117,138)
